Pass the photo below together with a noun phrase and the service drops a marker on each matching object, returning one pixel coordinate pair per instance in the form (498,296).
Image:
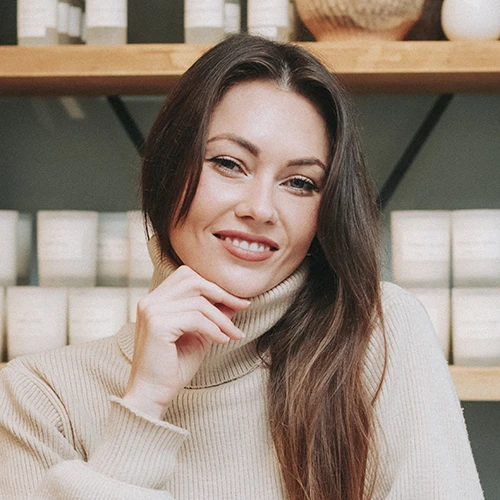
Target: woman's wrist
(147,400)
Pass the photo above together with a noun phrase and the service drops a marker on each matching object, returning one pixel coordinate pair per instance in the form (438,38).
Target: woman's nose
(257,201)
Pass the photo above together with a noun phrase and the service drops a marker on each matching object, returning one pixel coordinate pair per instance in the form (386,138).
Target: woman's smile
(246,246)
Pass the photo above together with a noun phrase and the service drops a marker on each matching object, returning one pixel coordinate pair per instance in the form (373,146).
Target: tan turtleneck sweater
(65,433)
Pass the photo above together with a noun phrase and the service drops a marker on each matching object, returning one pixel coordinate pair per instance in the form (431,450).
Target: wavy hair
(321,414)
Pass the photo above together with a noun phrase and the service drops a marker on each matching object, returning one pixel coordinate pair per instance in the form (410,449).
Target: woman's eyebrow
(255,151)
(307,161)
(251,148)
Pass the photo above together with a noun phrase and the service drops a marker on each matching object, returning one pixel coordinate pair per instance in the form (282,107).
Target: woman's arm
(424,450)
(135,451)
(42,458)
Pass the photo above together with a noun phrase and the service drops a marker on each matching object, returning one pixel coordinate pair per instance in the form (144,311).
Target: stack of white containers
(433,250)
(476,292)
(92,270)
(61,22)
(421,263)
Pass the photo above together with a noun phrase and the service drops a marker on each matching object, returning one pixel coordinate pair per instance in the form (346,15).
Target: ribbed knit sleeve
(423,446)
(42,459)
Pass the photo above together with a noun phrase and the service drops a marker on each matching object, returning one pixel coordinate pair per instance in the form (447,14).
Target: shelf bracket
(126,119)
(412,150)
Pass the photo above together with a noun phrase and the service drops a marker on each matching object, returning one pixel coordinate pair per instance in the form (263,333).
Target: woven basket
(364,19)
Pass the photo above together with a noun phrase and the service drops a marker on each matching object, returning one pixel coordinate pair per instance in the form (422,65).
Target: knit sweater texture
(65,432)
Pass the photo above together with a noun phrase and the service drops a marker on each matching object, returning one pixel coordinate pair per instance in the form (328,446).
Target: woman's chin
(245,292)
(244,288)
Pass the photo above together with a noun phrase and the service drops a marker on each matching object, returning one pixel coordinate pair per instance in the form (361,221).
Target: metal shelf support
(412,150)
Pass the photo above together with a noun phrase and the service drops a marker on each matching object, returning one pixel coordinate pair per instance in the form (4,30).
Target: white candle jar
(8,245)
(476,326)
(67,247)
(421,248)
(36,319)
(140,268)
(436,302)
(134,295)
(269,18)
(96,313)
(112,251)
(476,248)
(203,21)
(107,22)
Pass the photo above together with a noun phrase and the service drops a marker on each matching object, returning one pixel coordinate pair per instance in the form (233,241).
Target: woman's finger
(189,306)
(185,282)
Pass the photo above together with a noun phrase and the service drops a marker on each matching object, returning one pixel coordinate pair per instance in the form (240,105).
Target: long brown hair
(321,414)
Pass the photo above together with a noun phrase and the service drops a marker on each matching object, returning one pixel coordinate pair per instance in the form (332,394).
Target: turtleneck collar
(226,362)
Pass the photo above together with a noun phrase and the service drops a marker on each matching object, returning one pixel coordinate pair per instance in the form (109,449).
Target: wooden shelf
(383,67)
(472,383)
(477,383)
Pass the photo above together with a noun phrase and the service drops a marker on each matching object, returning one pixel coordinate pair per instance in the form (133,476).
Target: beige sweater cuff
(137,449)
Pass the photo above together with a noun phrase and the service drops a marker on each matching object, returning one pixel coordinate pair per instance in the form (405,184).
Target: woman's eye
(225,164)
(302,184)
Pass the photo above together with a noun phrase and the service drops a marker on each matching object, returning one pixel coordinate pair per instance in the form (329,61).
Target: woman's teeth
(245,245)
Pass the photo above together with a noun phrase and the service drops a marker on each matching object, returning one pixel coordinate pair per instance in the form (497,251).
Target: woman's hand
(176,325)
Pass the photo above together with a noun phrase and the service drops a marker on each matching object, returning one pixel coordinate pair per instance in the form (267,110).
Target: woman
(267,362)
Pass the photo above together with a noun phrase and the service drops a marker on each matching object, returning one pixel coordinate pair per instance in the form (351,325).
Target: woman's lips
(247,247)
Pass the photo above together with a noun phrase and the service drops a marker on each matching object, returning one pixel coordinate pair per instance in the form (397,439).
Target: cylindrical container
(134,295)
(203,21)
(471,19)
(24,244)
(96,313)
(67,247)
(63,22)
(476,326)
(2,324)
(232,16)
(9,220)
(140,268)
(37,22)
(269,18)
(36,319)
(112,251)
(421,248)
(437,303)
(75,21)
(476,248)
(106,22)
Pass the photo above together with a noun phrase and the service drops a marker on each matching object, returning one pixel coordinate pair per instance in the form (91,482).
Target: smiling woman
(267,362)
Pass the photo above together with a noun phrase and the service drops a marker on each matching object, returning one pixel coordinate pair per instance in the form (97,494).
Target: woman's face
(255,210)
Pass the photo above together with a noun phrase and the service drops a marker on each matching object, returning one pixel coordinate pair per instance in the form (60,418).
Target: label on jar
(425,246)
(59,241)
(476,244)
(477,317)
